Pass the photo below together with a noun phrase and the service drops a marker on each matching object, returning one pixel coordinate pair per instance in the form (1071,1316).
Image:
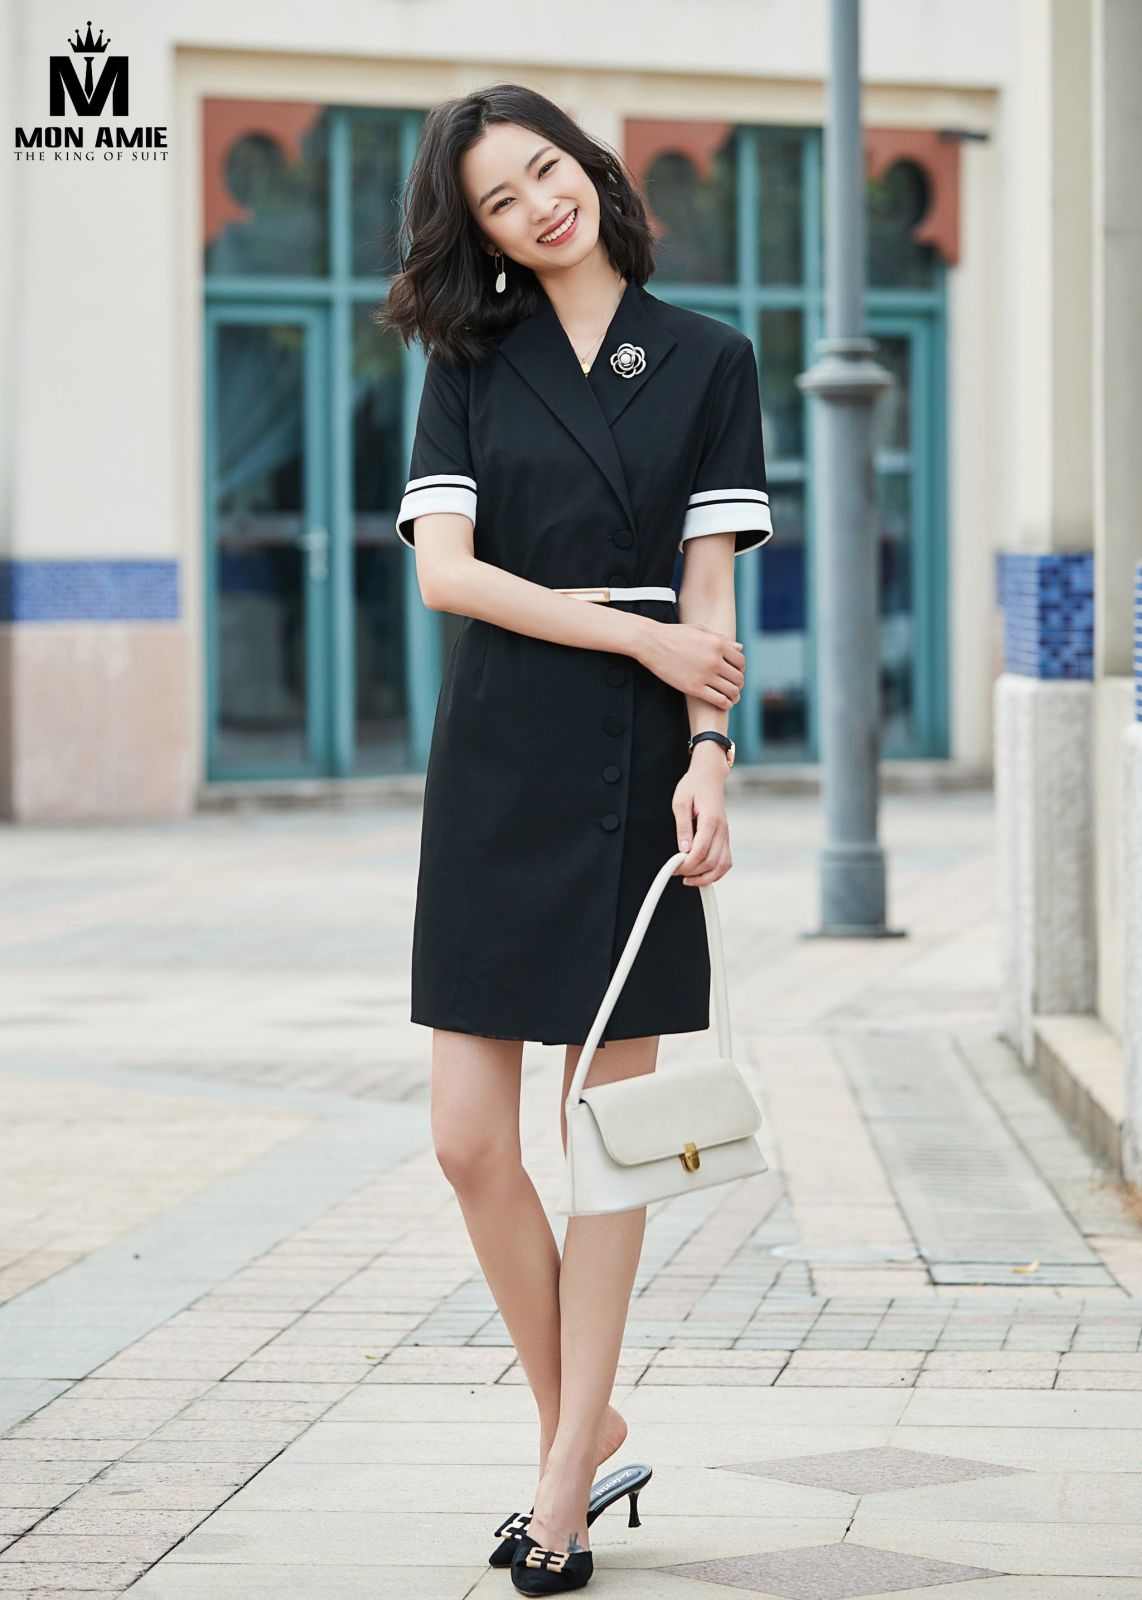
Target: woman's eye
(550,163)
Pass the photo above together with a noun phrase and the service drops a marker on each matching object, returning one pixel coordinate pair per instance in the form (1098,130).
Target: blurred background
(222,1224)
(205,436)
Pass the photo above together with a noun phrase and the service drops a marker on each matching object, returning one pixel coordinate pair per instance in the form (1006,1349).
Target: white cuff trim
(441,491)
(727,511)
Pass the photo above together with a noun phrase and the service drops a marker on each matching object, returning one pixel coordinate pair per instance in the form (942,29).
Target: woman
(599,431)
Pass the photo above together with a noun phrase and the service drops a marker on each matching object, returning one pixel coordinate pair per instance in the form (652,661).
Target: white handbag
(661,1133)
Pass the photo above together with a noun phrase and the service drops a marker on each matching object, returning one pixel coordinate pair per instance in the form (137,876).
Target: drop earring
(501,276)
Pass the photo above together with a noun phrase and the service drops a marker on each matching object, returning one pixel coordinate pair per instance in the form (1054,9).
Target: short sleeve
(730,494)
(441,475)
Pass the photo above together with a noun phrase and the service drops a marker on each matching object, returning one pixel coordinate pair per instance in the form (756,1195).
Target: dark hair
(443,294)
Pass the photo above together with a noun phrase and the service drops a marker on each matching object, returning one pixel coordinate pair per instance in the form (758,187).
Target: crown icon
(89,46)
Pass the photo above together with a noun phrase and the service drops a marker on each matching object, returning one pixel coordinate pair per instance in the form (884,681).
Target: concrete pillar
(1043,701)
(1118,544)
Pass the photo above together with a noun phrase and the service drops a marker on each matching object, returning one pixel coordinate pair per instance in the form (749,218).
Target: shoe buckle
(553,1560)
(513,1527)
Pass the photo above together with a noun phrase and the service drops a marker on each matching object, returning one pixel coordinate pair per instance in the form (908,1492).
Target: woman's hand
(700,816)
(696,659)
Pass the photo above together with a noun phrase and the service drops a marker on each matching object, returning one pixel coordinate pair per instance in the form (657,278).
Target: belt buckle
(589,592)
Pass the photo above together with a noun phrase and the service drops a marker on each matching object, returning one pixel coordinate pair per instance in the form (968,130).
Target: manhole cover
(844,1252)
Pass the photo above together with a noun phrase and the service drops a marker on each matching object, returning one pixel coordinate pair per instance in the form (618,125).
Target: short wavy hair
(443,295)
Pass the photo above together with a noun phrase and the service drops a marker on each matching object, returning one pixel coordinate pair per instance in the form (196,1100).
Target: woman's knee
(475,1162)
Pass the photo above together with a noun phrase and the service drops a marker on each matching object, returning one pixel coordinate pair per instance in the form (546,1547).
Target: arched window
(894,203)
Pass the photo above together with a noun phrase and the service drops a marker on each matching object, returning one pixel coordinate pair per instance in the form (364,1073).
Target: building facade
(202,583)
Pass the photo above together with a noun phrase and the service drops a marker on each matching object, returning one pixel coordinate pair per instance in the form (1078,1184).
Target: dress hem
(516,1038)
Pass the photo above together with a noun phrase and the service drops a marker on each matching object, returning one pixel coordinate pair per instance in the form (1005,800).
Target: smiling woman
(462,218)
(574,434)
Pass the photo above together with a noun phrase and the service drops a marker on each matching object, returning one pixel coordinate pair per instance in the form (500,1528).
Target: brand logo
(88,97)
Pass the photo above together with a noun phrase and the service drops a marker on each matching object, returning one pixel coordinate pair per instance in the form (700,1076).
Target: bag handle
(626,961)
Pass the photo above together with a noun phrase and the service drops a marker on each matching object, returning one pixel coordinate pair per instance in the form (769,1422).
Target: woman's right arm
(692,658)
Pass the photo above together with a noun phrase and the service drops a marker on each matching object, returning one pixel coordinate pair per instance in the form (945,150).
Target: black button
(613,725)
(616,676)
(624,538)
(617,577)
(609,821)
(612,774)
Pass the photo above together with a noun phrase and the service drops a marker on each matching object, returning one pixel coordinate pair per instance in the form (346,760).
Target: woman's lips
(550,243)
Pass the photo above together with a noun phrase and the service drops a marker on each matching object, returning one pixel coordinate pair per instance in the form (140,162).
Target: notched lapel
(634,324)
(588,403)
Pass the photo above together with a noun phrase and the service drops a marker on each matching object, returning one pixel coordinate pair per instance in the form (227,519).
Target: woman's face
(520,187)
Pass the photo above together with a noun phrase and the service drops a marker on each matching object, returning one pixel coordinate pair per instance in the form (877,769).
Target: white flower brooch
(629,360)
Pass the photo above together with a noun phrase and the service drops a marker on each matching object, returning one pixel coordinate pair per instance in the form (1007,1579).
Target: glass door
(776,599)
(267,541)
(909,539)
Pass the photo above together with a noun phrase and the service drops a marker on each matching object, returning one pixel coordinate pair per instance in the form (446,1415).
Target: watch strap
(709,733)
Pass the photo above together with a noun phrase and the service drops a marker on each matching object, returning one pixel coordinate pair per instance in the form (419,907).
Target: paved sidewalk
(246,1349)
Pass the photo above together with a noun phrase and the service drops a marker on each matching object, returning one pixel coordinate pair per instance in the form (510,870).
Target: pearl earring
(501,276)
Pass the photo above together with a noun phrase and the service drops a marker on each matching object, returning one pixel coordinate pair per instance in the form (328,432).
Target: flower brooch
(629,360)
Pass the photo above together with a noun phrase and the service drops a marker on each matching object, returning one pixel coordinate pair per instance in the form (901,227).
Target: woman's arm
(701,661)
(706,598)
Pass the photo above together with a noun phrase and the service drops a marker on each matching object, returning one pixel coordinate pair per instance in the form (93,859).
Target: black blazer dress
(551,770)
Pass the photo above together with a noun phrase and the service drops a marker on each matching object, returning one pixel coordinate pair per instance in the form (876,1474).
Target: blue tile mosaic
(89,591)
(1138,641)
(1048,612)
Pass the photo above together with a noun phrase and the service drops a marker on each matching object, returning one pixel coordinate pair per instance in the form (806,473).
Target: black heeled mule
(539,1571)
(604,1492)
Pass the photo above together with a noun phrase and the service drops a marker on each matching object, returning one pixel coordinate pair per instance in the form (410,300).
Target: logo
(88,98)
(64,141)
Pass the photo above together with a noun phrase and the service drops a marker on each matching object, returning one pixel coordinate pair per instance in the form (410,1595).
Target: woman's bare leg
(475,1130)
(600,1260)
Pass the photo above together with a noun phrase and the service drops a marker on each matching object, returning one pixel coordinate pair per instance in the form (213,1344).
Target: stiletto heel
(604,1492)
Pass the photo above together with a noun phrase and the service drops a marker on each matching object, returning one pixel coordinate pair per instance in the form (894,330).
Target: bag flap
(656,1114)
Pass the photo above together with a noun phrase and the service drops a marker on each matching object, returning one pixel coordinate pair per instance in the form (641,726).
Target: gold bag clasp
(689,1157)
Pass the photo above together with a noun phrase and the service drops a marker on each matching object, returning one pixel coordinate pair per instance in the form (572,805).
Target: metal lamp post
(847,383)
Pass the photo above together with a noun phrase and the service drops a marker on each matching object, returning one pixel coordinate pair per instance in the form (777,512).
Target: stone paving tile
(265,1370)
(212,1581)
(1046,1549)
(855,1360)
(872,1470)
(716,1377)
(718,1358)
(847,1377)
(1080,1497)
(42,1546)
(829,1571)
(995,1378)
(988,1361)
(1098,1380)
(1100,1361)
(50,1577)
(167,1524)
(14,1522)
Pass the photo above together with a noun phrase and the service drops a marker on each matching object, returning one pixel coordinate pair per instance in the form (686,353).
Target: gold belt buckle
(598,592)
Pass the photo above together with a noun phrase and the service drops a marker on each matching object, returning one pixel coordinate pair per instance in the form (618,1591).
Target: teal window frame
(920,313)
(335,297)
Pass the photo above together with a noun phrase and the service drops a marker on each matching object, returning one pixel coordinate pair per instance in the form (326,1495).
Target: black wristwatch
(726,743)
